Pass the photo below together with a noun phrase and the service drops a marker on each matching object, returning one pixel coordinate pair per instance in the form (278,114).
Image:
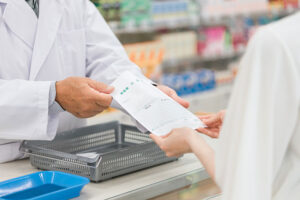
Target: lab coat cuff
(48,124)
(52,93)
(54,107)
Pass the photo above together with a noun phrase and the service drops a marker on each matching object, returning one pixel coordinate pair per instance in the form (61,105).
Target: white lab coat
(259,153)
(70,38)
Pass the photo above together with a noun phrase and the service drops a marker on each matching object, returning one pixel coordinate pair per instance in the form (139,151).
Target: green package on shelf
(142,19)
(127,5)
(142,5)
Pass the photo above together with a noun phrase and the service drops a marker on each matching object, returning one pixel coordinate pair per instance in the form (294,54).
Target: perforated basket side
(60,154)
(133,135)
(132,160)
(143,155)
(84,138)
(65,165)
(137,151)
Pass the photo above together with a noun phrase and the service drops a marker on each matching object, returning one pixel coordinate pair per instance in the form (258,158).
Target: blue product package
(47,185)
(206,79)
(177,83)
(190,84)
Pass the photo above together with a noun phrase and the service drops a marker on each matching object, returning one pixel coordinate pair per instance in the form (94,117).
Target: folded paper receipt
(154,110)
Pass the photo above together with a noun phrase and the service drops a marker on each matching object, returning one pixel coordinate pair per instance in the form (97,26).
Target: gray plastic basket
(117,150)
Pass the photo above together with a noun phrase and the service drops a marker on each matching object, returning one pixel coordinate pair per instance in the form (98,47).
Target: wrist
(190,137)
(58,90)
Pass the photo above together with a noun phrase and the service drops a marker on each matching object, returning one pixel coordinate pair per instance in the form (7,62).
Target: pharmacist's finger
(100,99)
(100,87)
(180,100)
(171,93)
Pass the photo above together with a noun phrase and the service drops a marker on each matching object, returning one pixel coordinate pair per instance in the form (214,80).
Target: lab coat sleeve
(24,109)
(260,120)
(106,57)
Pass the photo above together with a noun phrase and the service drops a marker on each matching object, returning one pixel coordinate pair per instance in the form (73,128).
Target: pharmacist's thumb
(100,87)
(171,93)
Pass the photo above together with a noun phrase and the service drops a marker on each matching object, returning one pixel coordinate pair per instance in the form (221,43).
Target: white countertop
(187,170)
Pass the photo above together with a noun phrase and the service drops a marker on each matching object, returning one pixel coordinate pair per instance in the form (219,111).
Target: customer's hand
(83,97)
(214,124)
(171,93)
(176,142)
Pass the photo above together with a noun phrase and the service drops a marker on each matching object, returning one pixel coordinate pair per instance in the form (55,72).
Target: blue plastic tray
(46,185)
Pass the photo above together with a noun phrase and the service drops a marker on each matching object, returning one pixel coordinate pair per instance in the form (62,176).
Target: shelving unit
(193,23)
(179,24)
(198,59)
(208,101)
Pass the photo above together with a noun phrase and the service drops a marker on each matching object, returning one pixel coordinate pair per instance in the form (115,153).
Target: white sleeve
(106,57)
(24,107)
(260,120)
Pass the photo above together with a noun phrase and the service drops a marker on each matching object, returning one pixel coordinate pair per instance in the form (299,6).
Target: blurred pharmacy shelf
(175,63)
(192,46)
(225,19)
(246,9)
(200,21)
(170,25)
(208,101)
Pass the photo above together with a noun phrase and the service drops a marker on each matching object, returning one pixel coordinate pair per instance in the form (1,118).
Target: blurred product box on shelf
(214,41)
(216,9)
(135,13)
(190,82)
(179,45)
(218,41)
(285,3)
(148,56)
(228,75)
(110,9)
(173,11)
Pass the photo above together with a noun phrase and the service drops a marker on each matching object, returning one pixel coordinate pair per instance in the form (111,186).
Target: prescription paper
(153,109)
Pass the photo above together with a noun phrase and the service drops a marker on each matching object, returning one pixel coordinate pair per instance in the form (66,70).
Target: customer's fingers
(203,117)
(165,136)
(214,119)
(156,139)
(213,133)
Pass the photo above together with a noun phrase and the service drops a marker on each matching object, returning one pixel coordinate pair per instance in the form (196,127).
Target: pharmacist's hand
(83,97)
(214,124)
(171,93)
(176,143)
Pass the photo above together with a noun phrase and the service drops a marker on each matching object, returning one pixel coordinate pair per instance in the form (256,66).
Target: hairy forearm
(204,152)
